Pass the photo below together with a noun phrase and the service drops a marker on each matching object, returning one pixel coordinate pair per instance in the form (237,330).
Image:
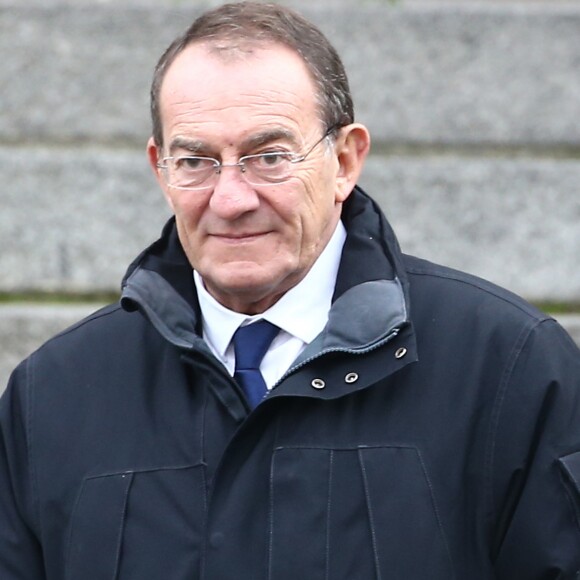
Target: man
(413,421)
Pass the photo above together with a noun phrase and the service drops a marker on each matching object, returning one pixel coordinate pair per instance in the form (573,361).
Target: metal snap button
(400,352)
(318,384)
(351,378)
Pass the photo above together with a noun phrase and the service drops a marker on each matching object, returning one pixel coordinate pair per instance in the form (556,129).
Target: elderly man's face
(251,243)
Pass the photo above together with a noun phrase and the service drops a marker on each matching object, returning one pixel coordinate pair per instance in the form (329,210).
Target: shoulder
(85,346)
(463,309)
(459,290)
(483,330)
(100,327)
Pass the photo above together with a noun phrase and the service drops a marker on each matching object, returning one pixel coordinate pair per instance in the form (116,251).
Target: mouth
(239,237)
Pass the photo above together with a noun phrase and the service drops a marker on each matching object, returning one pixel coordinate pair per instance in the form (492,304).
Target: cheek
(188,234)
(320,214)
(187,206)
(319,203)
(188,213)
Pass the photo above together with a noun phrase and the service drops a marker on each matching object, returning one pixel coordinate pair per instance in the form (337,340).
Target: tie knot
(251,343)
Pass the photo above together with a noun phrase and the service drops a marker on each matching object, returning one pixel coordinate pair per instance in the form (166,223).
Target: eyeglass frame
(218,165)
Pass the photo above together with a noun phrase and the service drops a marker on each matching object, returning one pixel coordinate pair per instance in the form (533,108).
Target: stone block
(512,221)
(81,73)
(455,73)
(78,219)
(463,73)
(73,219)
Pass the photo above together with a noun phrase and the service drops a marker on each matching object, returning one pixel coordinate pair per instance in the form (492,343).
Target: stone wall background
(474,108)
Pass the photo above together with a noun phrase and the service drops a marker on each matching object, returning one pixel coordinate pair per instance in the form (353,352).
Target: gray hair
(236,28)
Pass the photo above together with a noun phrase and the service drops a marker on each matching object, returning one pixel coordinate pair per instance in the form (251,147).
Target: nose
(232,195)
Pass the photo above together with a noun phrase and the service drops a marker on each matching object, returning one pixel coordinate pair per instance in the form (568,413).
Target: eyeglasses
(193,172)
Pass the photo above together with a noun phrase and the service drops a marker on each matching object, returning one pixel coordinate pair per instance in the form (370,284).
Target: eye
(269,160)
(190,163)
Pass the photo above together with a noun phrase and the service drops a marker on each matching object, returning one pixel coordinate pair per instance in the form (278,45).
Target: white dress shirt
(301,314)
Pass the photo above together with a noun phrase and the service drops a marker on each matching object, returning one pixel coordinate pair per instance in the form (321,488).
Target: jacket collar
(369,304)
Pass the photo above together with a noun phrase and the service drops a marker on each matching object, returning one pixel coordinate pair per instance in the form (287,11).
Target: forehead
(208,92)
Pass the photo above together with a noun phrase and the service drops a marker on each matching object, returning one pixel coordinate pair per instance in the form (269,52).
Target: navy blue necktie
(250,345)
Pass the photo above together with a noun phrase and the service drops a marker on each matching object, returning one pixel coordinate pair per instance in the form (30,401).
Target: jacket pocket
(138,525)
(571,468)
(101,507)
(365,513)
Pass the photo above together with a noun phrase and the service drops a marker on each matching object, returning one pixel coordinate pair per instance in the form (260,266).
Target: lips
(238,235)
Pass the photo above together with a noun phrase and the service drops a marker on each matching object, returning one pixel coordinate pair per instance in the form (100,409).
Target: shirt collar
(302,311)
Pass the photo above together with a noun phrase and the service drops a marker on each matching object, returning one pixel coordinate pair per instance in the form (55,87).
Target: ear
(352,146)
(154,158)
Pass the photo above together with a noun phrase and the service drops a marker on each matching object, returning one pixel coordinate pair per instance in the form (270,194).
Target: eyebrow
(193,146)
(269,136)
(196,146)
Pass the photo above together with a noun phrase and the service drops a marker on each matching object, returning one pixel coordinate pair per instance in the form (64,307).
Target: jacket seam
(370,515)
(328,512)
(570,498)
(575,511)
(144,470)
(354,447)
(69,540)
(436,511)
(482,286)
(29,382)
(270,533)
(121,528)
(204,461)
(110,310)
(205,490)
(496,413)
(271,520)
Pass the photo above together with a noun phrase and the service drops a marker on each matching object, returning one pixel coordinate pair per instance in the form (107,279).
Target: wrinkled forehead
(242,52)
(223,82)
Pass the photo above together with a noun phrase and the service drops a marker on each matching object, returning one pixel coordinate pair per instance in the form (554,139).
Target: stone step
(514,221)
(24,327)
(458,73)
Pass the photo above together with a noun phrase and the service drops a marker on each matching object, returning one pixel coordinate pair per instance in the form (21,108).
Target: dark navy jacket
(432,431)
